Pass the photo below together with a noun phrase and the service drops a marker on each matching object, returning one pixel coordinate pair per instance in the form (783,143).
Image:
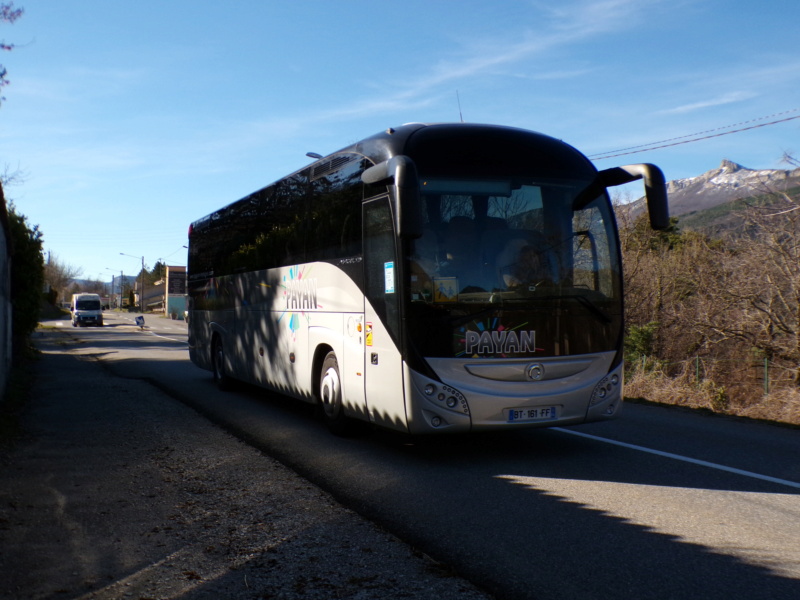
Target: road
(660,503)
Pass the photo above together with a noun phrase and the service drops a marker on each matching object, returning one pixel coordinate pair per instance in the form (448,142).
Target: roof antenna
(459,107)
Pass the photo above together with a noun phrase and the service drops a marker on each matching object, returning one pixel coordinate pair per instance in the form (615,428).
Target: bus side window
(379,252)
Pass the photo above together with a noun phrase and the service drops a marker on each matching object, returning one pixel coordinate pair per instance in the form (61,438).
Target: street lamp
(141,290)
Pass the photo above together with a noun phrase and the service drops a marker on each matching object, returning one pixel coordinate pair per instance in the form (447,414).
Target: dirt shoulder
(115,490)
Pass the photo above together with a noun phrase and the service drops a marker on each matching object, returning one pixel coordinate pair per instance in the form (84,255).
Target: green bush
(27,279)
(640,343)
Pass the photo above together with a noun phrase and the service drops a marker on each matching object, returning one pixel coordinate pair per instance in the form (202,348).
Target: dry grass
(782,405)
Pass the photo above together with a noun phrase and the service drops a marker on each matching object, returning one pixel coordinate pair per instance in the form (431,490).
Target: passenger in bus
(424,265)
(461,251)
(426,253)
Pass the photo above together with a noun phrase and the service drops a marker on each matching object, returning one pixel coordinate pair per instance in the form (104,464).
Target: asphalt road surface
(659,503)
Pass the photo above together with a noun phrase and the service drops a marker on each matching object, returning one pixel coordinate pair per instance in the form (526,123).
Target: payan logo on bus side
(301,294)
(500,342)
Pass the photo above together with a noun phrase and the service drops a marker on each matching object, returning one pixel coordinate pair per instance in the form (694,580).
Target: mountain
(729,182)
(708,201)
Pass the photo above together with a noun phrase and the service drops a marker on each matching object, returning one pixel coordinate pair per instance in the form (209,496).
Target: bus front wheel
(330,396)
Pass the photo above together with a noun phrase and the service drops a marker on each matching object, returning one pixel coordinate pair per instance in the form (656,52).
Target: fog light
(430,389)
(606,389)
(436,421)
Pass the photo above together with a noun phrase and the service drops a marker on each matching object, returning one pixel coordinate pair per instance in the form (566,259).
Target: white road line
(693,461)
(163,337)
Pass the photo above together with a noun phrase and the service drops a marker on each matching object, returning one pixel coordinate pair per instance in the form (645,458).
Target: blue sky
(125,121)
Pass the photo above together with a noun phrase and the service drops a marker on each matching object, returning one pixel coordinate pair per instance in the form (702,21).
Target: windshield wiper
(472,316)
(583,301)
(590,306)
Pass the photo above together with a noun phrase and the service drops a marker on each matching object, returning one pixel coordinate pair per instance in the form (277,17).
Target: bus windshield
(513,268)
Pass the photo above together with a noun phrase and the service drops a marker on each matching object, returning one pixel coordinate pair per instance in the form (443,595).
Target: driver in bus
(523,264)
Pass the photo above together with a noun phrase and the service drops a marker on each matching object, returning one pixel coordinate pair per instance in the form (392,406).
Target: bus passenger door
(383,369)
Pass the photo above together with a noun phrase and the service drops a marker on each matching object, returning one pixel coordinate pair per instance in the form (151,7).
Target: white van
(86,310)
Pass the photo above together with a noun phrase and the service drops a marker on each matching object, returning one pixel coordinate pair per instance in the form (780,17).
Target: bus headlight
(607,387)
(447,396)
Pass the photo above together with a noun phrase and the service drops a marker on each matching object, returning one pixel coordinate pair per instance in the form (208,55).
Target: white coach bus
(430,278)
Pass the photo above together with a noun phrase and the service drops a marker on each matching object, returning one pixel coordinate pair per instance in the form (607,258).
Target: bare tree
(756,293)
(710,314)
(58,274)
(657,269)
(8,14)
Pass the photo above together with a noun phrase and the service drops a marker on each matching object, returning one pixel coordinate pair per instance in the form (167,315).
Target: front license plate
(533,413)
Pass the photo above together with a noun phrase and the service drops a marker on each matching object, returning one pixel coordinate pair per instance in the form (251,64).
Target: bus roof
(459,144)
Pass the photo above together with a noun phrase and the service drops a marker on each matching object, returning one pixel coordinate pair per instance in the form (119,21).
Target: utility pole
(141,288)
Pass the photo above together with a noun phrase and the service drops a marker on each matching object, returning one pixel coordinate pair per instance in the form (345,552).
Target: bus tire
(330,397)
(221,378)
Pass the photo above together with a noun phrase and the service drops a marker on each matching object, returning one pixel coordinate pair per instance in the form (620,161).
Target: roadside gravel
(116,490)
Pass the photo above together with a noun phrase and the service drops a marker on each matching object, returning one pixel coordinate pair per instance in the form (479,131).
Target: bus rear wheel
(221,378)
(330,397)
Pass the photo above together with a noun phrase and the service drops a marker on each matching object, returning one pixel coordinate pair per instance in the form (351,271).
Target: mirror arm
(400,172)
(655,188)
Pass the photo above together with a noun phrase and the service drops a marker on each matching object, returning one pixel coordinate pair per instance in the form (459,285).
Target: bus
(430,278)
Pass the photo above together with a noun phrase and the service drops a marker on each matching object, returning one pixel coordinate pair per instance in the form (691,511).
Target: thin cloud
(729,98)
(561,27)
(557,29)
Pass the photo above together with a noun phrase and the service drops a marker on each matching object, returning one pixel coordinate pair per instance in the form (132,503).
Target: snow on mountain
(730,181)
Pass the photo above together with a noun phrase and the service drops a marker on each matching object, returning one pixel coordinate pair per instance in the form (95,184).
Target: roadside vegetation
(714,318)
(27,280)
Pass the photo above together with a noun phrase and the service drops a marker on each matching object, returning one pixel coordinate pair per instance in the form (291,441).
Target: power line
(691,135)
(695,137)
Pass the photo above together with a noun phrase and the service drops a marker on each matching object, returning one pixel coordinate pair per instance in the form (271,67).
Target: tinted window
(312,215)
(380,264)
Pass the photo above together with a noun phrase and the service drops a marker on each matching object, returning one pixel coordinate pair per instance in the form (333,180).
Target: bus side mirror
(655,188)
(402,173)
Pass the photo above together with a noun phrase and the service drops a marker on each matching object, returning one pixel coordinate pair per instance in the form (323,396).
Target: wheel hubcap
(329,392)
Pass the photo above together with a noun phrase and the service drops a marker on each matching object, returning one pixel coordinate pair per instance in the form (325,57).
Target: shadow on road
(533,513)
